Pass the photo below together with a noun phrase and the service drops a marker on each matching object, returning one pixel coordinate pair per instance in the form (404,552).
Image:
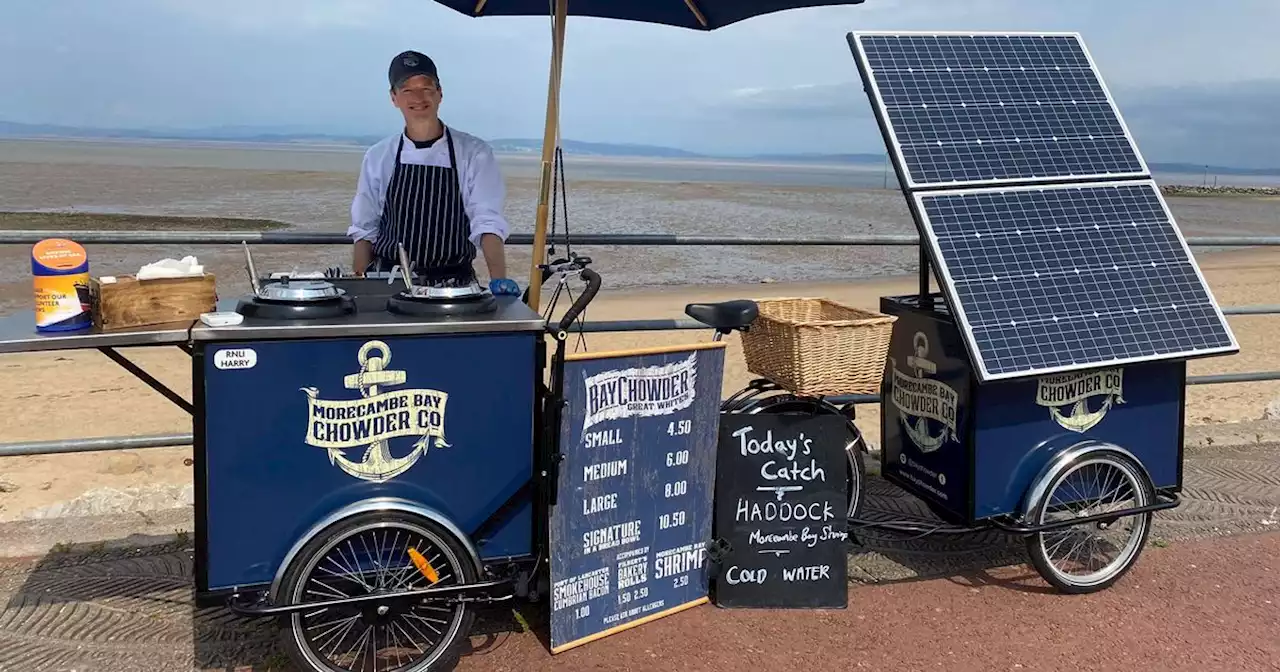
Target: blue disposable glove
(504,287)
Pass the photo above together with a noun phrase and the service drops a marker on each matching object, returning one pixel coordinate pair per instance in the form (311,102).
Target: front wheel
(1090,557)
(369,553)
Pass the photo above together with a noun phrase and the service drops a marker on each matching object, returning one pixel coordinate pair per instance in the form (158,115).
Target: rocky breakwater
(1221,190)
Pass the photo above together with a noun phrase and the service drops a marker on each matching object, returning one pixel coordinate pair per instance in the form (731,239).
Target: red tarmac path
(1205,605)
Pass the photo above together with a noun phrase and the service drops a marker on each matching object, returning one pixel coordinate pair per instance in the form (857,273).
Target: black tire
(455,565)
(855,473)
(1138,485)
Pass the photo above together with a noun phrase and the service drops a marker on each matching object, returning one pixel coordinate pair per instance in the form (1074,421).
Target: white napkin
(170,268)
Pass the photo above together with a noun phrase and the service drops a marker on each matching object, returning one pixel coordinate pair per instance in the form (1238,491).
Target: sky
(1196,82)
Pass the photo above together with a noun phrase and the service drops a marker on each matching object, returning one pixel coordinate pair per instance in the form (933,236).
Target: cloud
(781,82)
(1231,123)
(271,15)
(799,102)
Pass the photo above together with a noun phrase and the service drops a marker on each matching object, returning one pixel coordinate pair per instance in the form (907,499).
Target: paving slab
(126,604)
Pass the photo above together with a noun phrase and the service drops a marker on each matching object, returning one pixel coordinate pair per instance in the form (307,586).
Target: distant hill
(1199,168)
(530,146)
(860,159)
(580,148)
(279,135)
(12,129)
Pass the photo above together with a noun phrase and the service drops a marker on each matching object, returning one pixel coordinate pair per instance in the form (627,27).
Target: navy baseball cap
(408,64)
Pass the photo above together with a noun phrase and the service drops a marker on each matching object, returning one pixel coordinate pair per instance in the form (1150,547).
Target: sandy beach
(78,394)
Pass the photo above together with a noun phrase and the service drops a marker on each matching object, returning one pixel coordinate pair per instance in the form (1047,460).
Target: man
(433,189)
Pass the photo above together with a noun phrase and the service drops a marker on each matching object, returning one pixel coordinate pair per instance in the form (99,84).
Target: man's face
(418,97)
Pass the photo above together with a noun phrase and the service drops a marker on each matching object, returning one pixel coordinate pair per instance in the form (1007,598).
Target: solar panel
(975,108)
(1053,278)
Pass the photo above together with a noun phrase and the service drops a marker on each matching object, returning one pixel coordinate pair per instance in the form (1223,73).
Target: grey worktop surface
(511,315)
(18,331)
(18,334)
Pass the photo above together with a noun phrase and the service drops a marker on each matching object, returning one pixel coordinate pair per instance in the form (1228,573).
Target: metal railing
(12,237)
(603,326)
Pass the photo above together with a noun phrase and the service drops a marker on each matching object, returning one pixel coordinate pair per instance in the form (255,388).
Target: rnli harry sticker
(920,399)
(235,358)
(640,391)
(1075,390)
(375,418)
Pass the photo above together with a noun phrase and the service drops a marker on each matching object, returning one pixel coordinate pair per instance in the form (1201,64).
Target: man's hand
(504,287)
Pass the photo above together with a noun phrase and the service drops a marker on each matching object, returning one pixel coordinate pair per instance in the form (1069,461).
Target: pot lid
(299,290)
(447,291)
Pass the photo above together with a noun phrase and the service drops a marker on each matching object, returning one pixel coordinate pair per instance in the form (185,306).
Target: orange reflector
(423,566)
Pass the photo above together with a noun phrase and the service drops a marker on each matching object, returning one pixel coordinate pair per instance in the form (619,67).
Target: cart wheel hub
(379,615)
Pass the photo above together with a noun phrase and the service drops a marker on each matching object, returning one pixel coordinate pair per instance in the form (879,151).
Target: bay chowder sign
(649,391)
(921,399)
(1074,391)
(632,521)
(375,418)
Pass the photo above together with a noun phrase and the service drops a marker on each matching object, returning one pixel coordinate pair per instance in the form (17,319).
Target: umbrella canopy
(694,14)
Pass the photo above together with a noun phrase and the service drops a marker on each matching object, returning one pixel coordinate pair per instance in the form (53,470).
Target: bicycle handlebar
(579,305)
(568,266)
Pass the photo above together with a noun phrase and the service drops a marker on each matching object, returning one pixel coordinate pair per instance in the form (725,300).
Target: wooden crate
(129,302)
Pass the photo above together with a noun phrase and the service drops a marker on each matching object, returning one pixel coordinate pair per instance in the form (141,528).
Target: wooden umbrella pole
(550,138)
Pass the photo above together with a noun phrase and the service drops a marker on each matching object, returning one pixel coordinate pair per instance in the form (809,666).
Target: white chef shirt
(483,189)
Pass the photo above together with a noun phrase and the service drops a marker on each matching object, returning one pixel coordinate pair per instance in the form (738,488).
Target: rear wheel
(853,447)
(1090,557)
(366,554)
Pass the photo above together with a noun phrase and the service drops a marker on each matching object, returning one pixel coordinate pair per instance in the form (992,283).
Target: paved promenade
(1204,596)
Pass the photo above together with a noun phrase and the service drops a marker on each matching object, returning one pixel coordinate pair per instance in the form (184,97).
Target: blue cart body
(288,432)
(973,451)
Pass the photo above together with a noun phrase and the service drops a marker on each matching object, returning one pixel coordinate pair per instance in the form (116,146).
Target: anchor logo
(920,399)
(375,418)
(1075,390)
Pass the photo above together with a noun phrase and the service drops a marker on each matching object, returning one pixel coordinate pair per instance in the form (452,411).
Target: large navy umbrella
(693,14)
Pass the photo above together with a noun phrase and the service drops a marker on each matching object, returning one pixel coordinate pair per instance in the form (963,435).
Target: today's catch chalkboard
(781,510)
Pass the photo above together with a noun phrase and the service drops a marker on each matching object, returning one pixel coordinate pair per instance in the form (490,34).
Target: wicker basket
(817,347)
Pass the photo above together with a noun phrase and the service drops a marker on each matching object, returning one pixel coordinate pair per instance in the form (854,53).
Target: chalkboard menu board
(781,508)
(630,529)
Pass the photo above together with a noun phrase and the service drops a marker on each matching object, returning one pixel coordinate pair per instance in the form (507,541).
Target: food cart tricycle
(371,461)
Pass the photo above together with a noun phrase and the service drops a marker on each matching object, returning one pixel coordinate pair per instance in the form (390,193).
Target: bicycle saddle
(724,316)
